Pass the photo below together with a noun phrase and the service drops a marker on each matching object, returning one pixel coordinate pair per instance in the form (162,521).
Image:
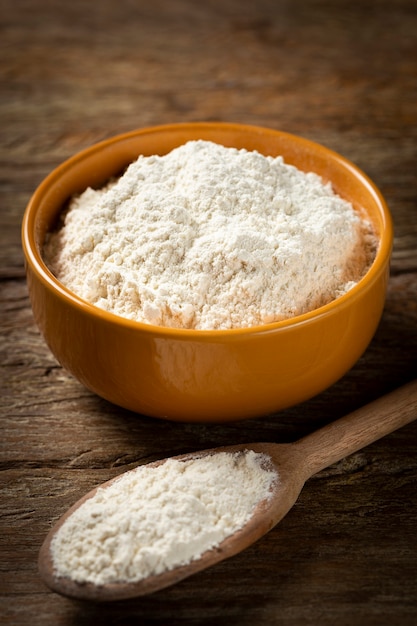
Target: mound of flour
(153,519)
(209,237)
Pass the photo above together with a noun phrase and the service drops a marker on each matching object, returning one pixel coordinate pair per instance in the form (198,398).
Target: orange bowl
(204,375)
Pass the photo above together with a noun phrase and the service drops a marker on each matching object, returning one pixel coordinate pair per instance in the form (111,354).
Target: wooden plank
(342,74)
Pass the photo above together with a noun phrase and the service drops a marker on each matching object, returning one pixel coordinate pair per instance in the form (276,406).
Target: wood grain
(341,73)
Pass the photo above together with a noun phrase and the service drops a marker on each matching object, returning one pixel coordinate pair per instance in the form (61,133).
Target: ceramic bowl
(192,375)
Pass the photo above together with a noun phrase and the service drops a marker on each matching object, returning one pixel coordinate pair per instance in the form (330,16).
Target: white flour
(209,237)
(153,519)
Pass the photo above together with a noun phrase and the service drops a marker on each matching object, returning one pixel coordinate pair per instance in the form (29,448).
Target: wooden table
(341,73)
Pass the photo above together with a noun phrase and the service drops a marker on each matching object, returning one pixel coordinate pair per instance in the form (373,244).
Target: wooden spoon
(294,462)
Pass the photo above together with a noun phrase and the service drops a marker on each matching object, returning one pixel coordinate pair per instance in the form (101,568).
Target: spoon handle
(359,429)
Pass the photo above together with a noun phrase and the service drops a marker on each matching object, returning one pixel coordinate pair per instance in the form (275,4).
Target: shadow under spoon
(294,463)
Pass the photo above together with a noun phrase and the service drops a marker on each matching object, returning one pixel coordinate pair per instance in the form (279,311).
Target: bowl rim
(33,257)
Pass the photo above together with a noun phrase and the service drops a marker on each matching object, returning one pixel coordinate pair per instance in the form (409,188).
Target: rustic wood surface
(343,73)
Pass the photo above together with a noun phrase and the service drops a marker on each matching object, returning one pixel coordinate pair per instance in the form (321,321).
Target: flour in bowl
(209,237)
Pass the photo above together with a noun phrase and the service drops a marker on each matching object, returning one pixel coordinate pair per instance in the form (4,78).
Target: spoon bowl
(294,463)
